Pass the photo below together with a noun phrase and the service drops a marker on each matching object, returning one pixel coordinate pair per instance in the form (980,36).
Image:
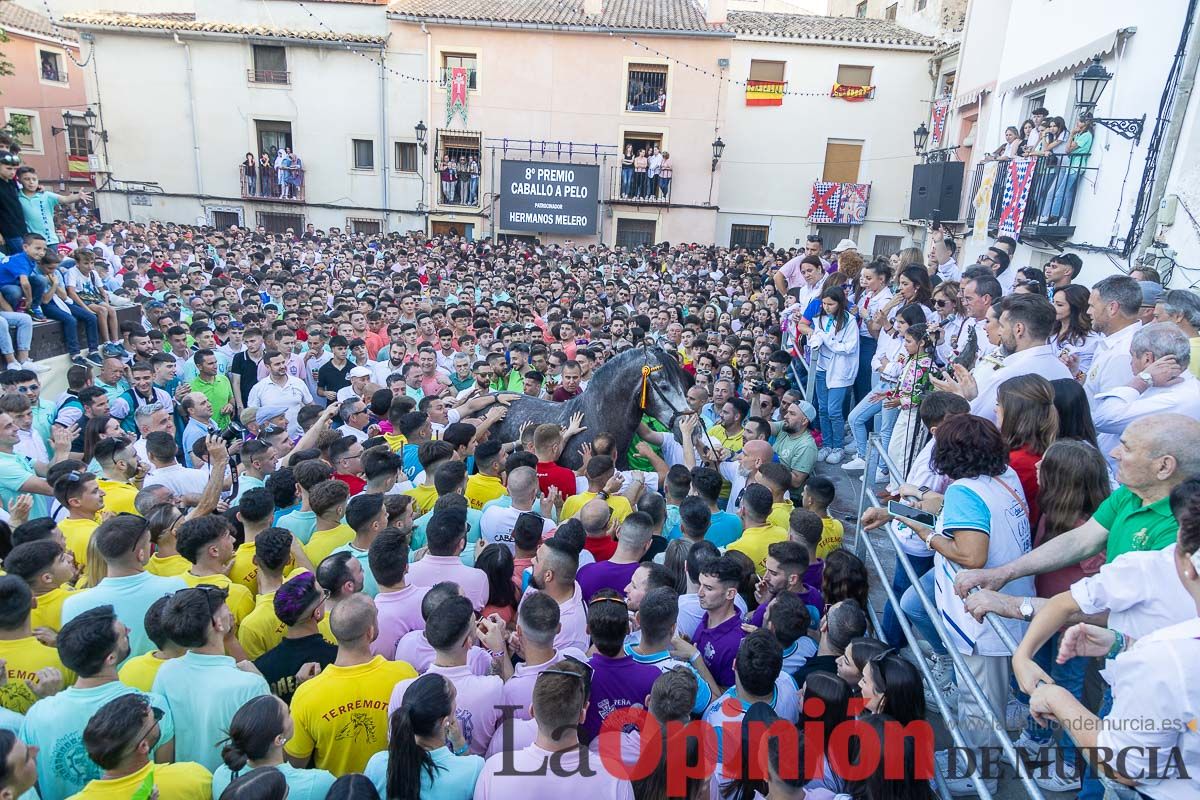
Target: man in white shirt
(181,480)
(1113,307)
(280,389)
(978,295)
(943,253)
(1159,359)
(497,522)
(1025,323)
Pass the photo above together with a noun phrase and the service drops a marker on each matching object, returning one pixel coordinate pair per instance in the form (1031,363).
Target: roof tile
(15,16)
(833,29)
(186,22)
(656,15)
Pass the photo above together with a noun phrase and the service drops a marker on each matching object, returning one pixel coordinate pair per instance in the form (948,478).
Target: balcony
(1050,203)
(626,187)
(283,185)
(279,77)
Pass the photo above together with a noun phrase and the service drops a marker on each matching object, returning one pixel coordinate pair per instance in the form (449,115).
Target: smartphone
(911,514)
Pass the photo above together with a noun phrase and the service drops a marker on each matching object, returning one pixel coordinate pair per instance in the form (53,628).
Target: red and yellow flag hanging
(77,168)
(764,93)
(847,91)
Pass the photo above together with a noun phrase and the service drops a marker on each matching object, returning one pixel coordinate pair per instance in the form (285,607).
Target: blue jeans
(1062,197)
(1070,676)
(1092,788)
(13,294)
(829,409)
(473,190)
(912,608)
(864,381)
(70,326)
(626,181)
(23,324)
(892,632)
(664,186)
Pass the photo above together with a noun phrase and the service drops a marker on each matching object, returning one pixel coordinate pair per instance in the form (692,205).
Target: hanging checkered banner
(1016,195)
(941,108)
(826,199)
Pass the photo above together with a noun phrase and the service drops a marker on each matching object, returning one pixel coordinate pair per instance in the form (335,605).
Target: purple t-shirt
(718,646)
(616,683)
(813,576)
(809,595)
(605,575)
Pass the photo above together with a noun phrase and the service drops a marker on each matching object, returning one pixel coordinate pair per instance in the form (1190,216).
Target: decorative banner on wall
(847,91)
(940,109)
(765,93)
(78,169)
(853,208)
(456,96)
(1016,194)
(826,197)
(549,197)
(983,199)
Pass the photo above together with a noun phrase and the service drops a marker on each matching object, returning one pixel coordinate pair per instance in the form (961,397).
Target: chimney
(593,8)
(716,12)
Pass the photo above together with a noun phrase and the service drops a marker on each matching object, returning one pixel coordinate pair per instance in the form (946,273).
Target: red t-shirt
(601,547)
(355,483)
(551,474)
(561,395)
(1024,463)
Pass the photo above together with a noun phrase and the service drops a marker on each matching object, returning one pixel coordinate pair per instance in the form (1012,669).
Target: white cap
(845,244)
(360,372)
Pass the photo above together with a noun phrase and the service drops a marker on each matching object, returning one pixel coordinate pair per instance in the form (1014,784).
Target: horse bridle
(676,413)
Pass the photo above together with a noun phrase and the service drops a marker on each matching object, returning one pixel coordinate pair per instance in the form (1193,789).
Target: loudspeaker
(936,190)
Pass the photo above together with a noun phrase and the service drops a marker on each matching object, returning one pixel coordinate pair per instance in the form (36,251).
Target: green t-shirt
(797,452)
(1134,526)
(1083,149)
(219,394)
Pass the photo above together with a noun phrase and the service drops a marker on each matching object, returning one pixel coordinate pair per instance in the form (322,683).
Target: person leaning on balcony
(665,170)
(1079,147)
(654,164)
(640,165)
(1011,147)
(249,169)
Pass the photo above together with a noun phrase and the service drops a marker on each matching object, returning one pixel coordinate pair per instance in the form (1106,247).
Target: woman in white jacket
(833,337)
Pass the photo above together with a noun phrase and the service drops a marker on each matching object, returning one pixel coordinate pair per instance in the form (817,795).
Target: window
(948,84)
(921,5)
(26,128)
(224,220)
(841,162)
(849,75)
(1033,101)
(270,64)
(406,157)
(887,245)
(832,234)
(646,89)
(455,154)
(279,223)
(364,153)
(890,12)
(52,66)
(79,143)
(766,70)
(748,236)
(371,227)
(860,10)
(467,61)
(635,232)
(272,136)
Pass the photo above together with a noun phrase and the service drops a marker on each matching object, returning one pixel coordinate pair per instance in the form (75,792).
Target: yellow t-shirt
(23,658)
(118,496)
(781,514)
(240,600)
(48,613)
(424,496)
(575,503)
(140,671)
(78,532)
(483,489)
(169,566)
(323,543)
(342,714)
(182,781)
(722,439)
(396,441)
(245,571)
(755,541)
(262,630)
(832,532)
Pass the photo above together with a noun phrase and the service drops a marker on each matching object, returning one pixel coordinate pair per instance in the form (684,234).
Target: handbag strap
(1015,496)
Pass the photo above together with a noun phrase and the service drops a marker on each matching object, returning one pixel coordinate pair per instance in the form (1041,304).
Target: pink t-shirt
(521,734)
(478,702)
(526,773)
(791,272)
(432,570)
(518,690)
(572,619)
(416,650)
(399,613)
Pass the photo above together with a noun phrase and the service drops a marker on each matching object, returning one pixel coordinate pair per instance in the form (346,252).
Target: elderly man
(1182,307)
(1160,355)
(360,387)
(199,425)
(355,418)
(150,418)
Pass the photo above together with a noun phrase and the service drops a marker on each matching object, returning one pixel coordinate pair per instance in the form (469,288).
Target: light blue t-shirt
(418,541)
(724,529)
(248,482)
(369,585)
(300,523)
(303,784)
(454,781)
(204,692)
(55,726)
(130,596)
(15,469)
(39,214)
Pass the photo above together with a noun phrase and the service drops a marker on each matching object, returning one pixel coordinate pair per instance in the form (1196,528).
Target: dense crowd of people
(273,539)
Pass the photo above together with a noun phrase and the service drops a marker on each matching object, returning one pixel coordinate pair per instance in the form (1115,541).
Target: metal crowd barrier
(876,453)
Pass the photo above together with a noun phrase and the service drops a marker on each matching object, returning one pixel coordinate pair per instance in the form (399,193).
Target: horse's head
(667,385)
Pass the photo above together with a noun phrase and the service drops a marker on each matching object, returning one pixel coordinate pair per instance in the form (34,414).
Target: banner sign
(850,92)
(456,95)
(765,93)
(549,197)
(78,168)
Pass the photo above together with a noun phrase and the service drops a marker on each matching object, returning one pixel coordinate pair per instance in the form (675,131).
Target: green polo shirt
(219,393)
(1134,526)
(514,383)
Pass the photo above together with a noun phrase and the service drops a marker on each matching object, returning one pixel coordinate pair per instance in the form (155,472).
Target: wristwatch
(1026,608)
(1147,377)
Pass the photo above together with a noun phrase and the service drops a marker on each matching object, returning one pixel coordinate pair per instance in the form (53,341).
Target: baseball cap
(269,412)
(360,372)
(808,409)
(1151,291)
(845,244)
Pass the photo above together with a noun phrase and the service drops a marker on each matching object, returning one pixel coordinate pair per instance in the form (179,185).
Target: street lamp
(718,147)
(421,131)
(920,138)
(1089,85)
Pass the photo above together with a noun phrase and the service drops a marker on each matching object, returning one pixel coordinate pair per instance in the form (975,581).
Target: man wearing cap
(795,446)
(844,246)
(359,383)
(12,217)
(1151,291)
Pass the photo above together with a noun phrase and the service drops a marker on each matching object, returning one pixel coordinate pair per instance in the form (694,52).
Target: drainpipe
(1183,94)
(187,54)
(426,188)
(383,136)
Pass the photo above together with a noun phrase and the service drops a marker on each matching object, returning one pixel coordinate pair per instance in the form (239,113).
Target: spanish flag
(850,92)
(764,93)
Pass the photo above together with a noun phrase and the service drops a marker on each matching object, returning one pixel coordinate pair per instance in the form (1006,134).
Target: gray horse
(611,403)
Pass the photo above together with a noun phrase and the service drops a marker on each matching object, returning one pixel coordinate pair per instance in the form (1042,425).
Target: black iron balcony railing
(626,185)
(1049,202)
(284,184)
